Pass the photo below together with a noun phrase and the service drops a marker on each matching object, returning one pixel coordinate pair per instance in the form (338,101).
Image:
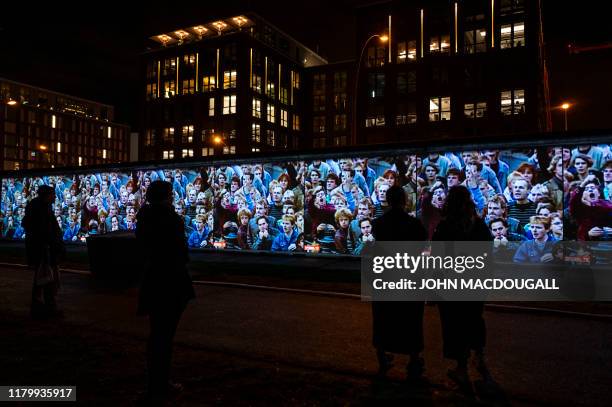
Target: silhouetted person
(463,327)
(166,286)
(398,326)
(44,249)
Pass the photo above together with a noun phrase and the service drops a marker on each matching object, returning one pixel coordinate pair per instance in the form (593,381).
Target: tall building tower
(228,86)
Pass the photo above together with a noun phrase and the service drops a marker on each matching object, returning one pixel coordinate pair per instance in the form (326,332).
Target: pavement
(245,346)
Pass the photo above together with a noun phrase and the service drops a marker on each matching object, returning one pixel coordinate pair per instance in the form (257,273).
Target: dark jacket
(463,327)
(42,231)
(397,326)
(166,284)
(451,231)
(397,225)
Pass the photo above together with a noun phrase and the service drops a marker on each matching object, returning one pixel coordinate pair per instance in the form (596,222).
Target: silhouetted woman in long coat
(463,327)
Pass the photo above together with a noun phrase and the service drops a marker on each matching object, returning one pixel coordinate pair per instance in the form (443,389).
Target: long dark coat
(398,325)
(42,234)
(166,284)
(463,326)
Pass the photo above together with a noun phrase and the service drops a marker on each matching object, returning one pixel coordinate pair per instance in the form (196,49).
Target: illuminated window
(257,108)
(169,88)
(270,89)
(513,102)
(340,101)
(284,118)
(318,124)
(406,51)
(512,35)
(168,135)
(229,79)
(296,122)
(188,87)
(271,138)
(187,152)
(169,67)
(207,135)
(104,153)
(187,135)
(271,113)
(406,114)
(475,41)
(296,80)
(339,141)
(284,95)
(375,56)
(475,110)
(152,91)
(109,132)
(58,147)
(211,106)
(229,149)
(149,137)
(375,119)
(257,83)
(255,133)
(189,59)
(206,151)
(255,150)
(439,109)
(339,122)
(229,104)
(168,154)
(439,44)
(208,83)
(376,85)
(232,134)
(53,121)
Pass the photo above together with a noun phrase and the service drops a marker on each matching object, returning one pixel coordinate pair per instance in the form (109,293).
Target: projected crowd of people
(530,199)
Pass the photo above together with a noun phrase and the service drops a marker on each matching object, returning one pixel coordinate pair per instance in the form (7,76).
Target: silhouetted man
(166,287)
(398,326)
(44,248)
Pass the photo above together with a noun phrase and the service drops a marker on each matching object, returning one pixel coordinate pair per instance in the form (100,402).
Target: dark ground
(240,346)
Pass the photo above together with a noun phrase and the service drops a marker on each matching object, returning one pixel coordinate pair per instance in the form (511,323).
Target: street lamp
(381,38)
(565,106)
(218,142)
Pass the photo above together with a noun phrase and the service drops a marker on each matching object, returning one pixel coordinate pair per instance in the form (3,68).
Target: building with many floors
(40,128)
(423,70)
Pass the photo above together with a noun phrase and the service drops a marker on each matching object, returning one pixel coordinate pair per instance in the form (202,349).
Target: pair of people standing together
(463,326)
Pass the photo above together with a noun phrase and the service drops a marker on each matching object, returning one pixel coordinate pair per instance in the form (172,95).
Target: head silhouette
(46,193)
(396,197)
(159,192)
(459,205)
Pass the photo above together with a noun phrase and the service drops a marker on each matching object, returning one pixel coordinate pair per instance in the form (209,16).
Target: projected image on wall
(530,198)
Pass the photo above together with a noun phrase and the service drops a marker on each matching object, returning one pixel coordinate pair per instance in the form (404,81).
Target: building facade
(224,87)
(450,69)
(424,70)
(40,128)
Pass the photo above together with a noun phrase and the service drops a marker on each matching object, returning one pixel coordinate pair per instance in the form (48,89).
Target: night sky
(95,55)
